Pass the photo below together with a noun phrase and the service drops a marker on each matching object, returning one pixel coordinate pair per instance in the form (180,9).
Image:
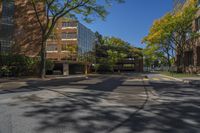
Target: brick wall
(0,7)
(60,53)
(193,45)
(27,34)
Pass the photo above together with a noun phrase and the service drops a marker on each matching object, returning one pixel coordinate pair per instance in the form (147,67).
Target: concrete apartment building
(192,52)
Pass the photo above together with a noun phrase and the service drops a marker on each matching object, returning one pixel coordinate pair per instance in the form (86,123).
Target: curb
(38,79)
(10,85)
(69,77)
(181,80)
(192,82)
(187,81)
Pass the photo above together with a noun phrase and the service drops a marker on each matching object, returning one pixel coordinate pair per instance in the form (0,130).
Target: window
(51,47)
(5,45)
(64,47)
(69,24)
(197,27)
(64,35)
(69,47)
(64,24)
(69,35)
(198,56)
(178,60)
(188,34)
(6,25)
(7,11)
(188,58)
(52,36)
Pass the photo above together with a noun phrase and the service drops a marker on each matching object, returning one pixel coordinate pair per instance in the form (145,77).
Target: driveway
(101,104)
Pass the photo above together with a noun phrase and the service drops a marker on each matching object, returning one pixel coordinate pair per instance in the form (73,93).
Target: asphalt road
(100,104)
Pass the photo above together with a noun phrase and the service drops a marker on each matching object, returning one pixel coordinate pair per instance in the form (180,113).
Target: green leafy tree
(117,50)
(170,33)
(112,58)
(56,9)
(111,51)
(150,55)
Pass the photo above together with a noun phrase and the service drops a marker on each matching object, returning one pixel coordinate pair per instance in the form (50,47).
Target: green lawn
(178,75)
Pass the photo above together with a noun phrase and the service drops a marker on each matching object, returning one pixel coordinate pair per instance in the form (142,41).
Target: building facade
(19,29)
(191,55)
(71,46)
(20,33)
(132,64)
(70,41)
(6,25)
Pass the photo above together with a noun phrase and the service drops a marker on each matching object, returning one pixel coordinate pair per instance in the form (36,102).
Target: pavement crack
(134,113)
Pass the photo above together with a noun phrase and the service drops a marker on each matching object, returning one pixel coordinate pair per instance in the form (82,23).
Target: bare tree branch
(37,15)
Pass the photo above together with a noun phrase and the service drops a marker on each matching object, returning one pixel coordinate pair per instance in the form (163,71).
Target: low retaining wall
(192,69)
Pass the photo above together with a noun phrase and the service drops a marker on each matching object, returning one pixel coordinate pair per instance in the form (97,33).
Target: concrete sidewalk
(13,83)
(189,80)
(48,77)
(192,80)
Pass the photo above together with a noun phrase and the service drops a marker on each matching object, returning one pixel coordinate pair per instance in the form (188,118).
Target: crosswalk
(161,79)
(153,79)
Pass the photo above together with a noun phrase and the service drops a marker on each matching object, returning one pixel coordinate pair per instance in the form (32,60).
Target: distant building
(131,64)
(192,53)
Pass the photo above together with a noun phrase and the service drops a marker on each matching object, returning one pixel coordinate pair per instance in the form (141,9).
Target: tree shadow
(100,83)
(179,111)
(85,112)
(90,111)
(97,108)
(32,85)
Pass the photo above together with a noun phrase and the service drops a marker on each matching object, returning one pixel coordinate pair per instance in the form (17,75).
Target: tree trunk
(43,60)
(182,63)
(86,69)
(169,62)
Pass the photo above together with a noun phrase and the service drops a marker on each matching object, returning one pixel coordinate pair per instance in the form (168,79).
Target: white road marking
(156,79)
(167,79)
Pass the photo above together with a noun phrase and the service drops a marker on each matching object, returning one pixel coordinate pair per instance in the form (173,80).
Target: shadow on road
(99,83)
(96,111)
(86,112)
(178,111)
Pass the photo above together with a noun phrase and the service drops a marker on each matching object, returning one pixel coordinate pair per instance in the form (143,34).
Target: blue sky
(131,21)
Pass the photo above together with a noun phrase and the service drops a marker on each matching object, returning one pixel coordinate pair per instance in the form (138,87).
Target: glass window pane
(51,47)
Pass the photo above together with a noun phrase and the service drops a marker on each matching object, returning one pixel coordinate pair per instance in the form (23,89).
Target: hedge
(20,65)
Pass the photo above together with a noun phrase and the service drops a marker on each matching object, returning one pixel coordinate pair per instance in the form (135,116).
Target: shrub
(20,65)
(104,67)
(49,65)
(4,71)
(17,65)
